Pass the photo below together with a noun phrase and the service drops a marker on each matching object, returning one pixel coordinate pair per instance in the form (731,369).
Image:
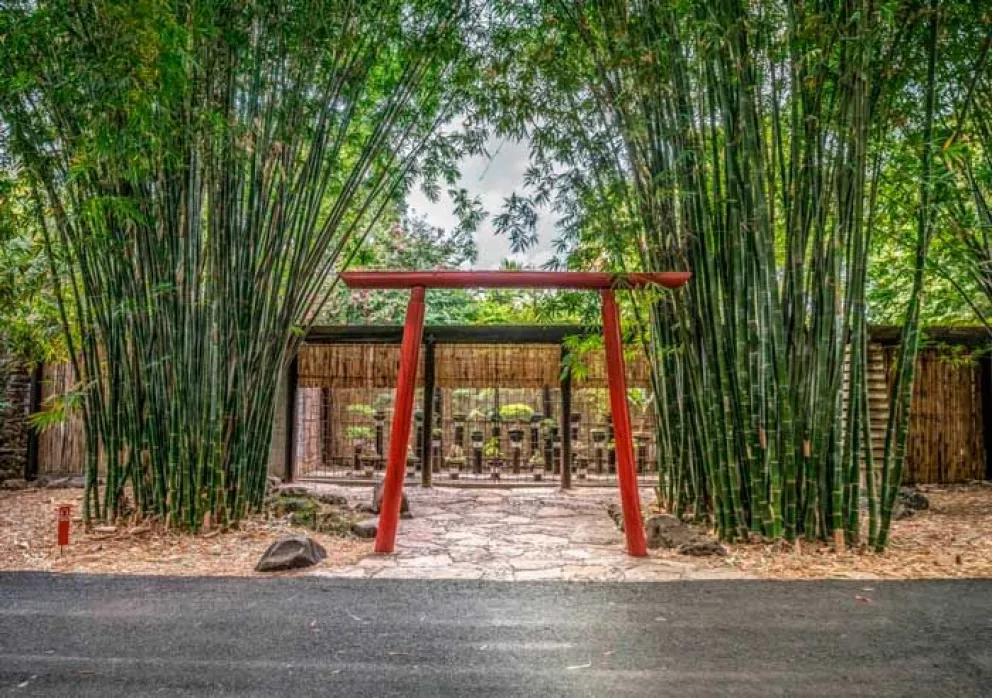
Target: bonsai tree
(515,412)
(359,436)
(493,455)
(360,409)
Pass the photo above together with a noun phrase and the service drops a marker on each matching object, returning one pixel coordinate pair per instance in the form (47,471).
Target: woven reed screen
(61,447)
(459,366)
(593,373)
(946,438)
(352,366)
(497,365)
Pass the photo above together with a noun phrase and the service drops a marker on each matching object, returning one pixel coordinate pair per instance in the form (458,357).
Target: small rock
(366,529)
(39,482)
(377,500)
(913,499)
(104,529)
(215,550)
(900,511)
(291,490)
(274,482)
(58,483)
(291,552)
(616,513)
(702,548)
(78,482)
(667,531)
(334,500)
(15,484)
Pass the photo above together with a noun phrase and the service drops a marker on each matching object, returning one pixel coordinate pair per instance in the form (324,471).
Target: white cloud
(492,180)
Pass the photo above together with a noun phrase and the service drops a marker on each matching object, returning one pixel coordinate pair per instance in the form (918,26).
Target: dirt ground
(951,539)
(28,542)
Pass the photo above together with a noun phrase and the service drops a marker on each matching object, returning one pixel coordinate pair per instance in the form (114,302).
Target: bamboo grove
(747,142)
(198,168)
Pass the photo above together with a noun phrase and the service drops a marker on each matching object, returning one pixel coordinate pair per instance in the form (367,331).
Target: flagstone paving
(522,534)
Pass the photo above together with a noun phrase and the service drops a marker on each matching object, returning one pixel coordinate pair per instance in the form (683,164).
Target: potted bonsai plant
(493,456)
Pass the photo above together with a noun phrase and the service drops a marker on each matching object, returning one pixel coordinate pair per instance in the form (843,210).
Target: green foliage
(360,410)
(515,412)
(491,448)
(197,172)
(359,433)
(773,150)
(410,243)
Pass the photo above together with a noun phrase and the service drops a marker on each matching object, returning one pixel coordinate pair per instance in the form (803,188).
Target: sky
(492,180)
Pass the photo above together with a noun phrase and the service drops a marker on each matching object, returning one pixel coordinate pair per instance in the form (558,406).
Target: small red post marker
(65,511)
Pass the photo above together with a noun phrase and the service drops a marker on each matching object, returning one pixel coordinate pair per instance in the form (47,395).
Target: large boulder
(377,501)
(667,531)
(366,529)
(291,552)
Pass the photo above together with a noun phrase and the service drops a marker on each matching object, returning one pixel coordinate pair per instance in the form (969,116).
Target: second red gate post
(399,435)
(630,497)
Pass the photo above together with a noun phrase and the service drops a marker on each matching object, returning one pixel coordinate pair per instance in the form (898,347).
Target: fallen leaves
(27,542)
(953,538)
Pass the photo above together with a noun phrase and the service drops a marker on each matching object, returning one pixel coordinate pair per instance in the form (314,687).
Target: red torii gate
(419,281)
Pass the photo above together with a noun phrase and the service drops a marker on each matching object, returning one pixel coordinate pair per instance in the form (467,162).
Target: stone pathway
(519,534)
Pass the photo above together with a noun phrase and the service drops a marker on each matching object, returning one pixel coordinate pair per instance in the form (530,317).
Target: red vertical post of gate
(399,436)
(630,497)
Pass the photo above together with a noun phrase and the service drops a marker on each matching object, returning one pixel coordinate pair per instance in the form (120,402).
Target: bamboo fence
(946,442)
(946,439)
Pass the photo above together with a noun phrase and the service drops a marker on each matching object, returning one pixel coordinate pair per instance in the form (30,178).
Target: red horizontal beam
(582,280)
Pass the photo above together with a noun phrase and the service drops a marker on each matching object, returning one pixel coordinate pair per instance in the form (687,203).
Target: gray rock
(900,511)
(79,482)
(39,482)
(292,490)
(702,548)
(58,483)
(616,513)
(377,500)
(291,552)
(15,484)
(667,531)
(334,500)
(366,529)
(913,499)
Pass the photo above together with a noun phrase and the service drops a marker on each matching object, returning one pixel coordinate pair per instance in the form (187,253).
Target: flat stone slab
(445,572)
(524,534)
(554,512)
(552,573)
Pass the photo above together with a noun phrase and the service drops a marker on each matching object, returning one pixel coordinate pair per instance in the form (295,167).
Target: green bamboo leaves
(748,141)
(200,166)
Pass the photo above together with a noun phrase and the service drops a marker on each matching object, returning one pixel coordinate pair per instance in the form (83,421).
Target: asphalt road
(107,636)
